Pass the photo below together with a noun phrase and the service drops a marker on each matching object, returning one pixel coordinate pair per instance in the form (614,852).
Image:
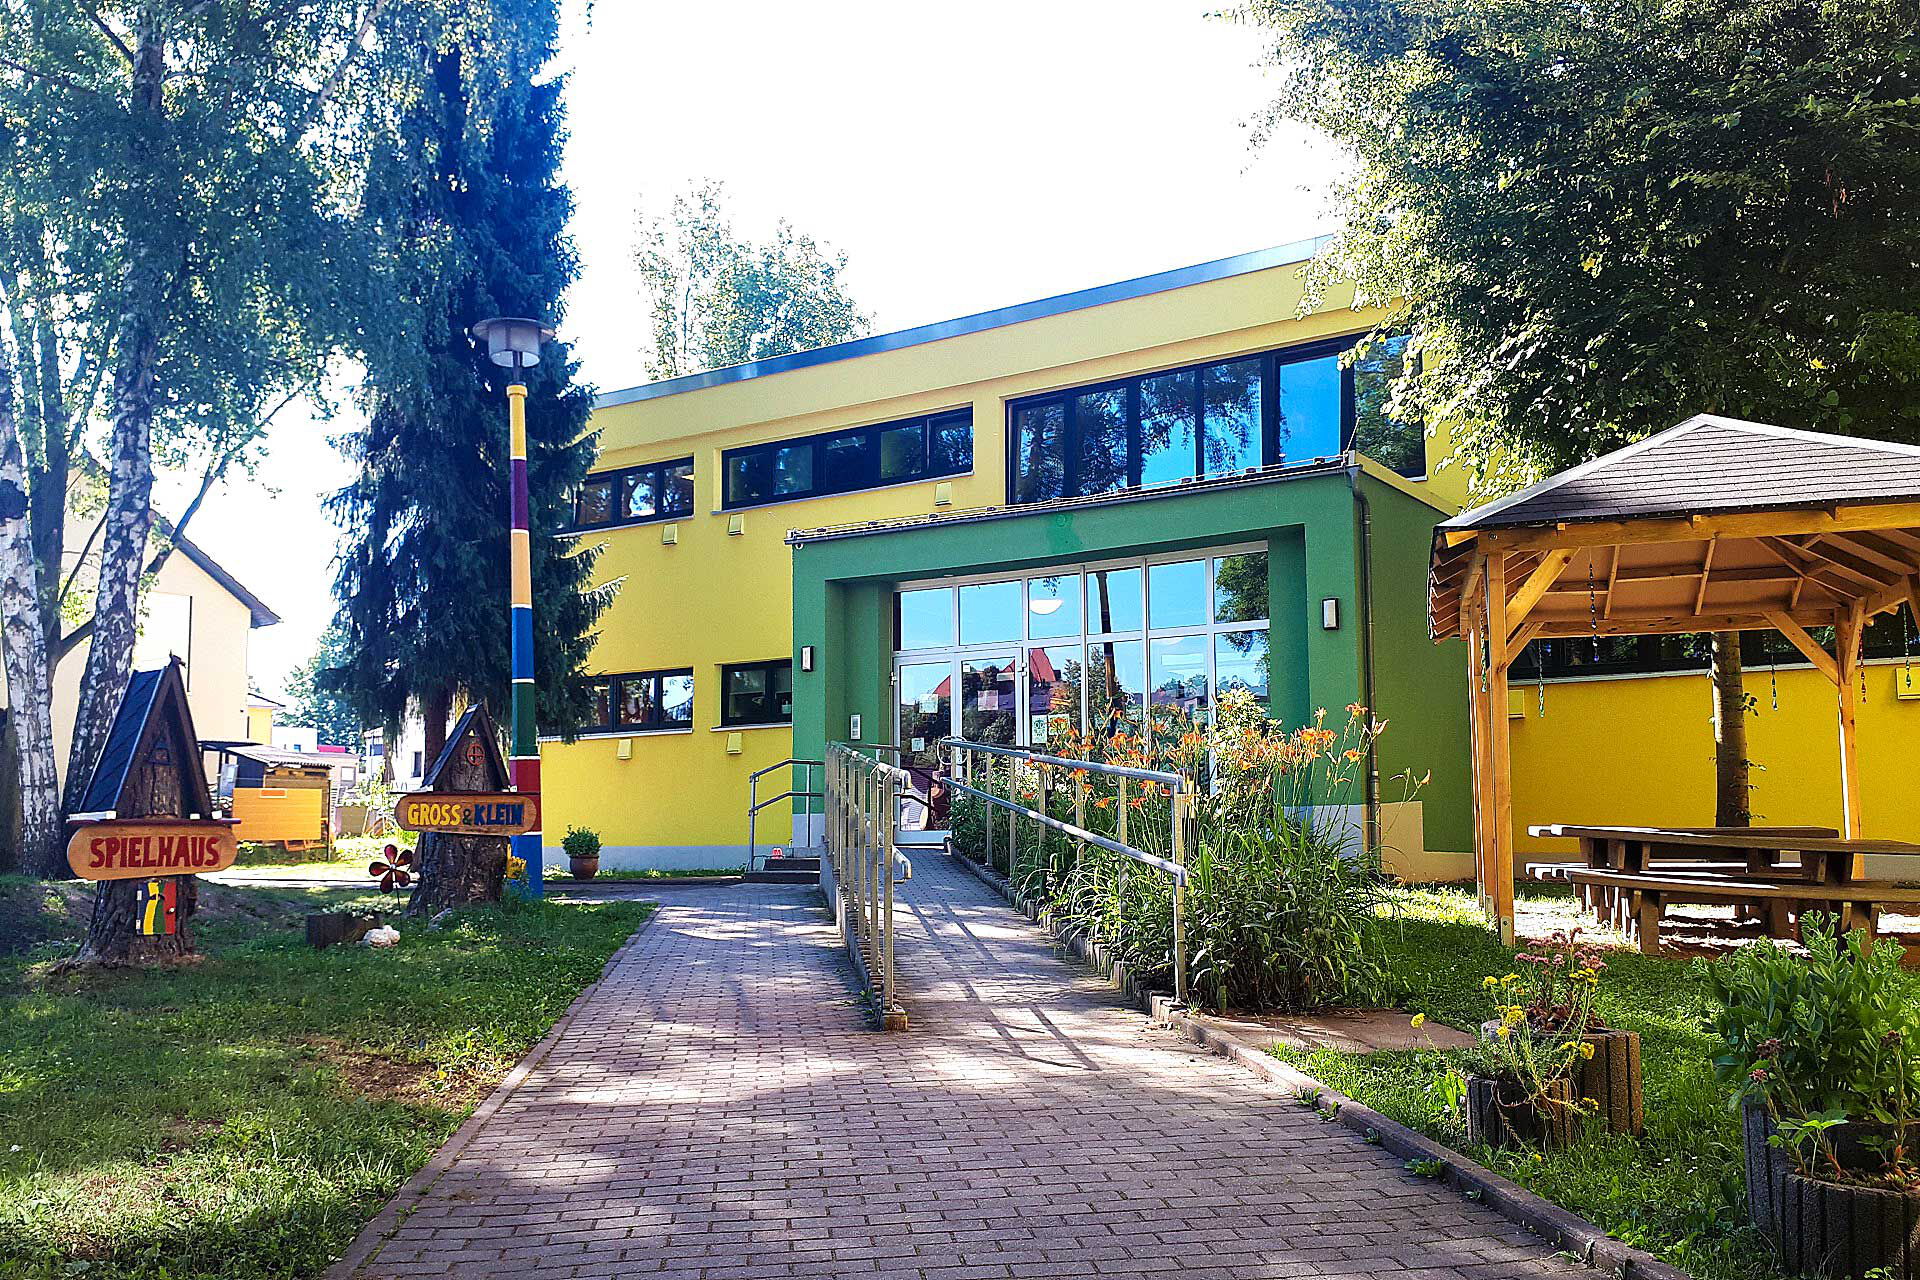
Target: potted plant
(1523,1080)
(1820,1055)
(583,852)
(1606,1074)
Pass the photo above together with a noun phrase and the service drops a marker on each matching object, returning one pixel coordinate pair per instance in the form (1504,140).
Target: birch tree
(181,257)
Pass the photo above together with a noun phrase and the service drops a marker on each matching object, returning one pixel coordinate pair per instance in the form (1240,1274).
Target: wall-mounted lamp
(806,657)
(1330,614)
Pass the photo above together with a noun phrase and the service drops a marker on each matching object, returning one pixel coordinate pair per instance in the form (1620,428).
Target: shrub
(1822,1039)
(1283,898)
(581,843)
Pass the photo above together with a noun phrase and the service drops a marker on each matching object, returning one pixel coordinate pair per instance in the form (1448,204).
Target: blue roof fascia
(1120,291)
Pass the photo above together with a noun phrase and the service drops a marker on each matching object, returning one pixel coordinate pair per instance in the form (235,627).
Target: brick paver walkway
(719,1108)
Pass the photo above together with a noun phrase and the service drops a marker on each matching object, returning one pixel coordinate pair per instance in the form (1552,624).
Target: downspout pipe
(1363,538)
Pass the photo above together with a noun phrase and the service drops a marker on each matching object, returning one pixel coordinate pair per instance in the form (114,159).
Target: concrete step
(783,877)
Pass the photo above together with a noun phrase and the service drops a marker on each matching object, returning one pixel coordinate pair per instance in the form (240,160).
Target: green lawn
(1678,1191)
(247,1115)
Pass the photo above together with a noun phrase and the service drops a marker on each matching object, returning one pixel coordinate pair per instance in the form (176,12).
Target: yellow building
(1170,430)
(193,609)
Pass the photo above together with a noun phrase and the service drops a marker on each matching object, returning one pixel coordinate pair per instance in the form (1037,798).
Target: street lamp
(513,342)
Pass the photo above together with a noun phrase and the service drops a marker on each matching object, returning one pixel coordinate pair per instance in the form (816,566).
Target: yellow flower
(1586,1050)
(1489,982)
(1419,1019)
(1505,1031)
(516,867)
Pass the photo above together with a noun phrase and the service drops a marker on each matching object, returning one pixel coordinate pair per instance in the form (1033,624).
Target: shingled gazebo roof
(1712,520)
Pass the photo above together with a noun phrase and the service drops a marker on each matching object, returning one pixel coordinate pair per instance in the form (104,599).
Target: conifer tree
(471,198)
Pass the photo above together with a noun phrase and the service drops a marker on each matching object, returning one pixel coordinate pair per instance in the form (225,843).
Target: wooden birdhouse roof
(153,718)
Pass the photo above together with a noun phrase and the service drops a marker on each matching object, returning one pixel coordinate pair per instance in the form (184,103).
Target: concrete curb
(374,1236)
(1559,1227)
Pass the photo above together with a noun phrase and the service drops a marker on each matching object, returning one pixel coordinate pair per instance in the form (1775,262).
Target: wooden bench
(1650,892)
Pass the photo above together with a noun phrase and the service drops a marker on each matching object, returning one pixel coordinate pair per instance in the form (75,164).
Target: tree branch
(108,32)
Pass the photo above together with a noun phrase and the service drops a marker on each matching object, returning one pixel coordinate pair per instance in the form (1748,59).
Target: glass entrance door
(990,699)
(923,710)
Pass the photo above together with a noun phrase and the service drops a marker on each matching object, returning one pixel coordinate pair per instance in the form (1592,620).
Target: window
(640,701)
(1286,406)
(633,495)
(845,461)
(757,693)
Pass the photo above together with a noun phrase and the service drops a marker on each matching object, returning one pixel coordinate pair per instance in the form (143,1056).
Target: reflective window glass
(903,452)
(594,505)
(989,612)
(638,700)
(925,712)
(1053,606)
(792,468)
(953,444)
(676,699)
(1230,416)
(988,701)
(1177,594)
(1240,662)
(749,478)
(1116,685)
(1053,692)
(676,489)
(1168,424)
(1310,409)
(1240,588)
(1398,444)
(1179,678)
(757,693)
(642,500)
(926,618)
(1100,424)
(1040,450)
(1113,601)
(845,462)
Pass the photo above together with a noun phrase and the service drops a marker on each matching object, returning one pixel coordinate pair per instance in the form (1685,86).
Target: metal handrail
(863,818)
(755,804)
(1180,819)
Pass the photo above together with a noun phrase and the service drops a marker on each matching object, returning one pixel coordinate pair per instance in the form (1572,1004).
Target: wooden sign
(470,813)
(142,848)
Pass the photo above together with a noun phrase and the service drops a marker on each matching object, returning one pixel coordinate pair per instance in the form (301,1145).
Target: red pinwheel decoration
(393,869)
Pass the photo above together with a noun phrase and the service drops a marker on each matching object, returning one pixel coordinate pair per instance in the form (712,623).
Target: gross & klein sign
(140,848)
(491,813)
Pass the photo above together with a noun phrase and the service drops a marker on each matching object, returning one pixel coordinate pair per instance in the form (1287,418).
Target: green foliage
(1678,1191)
(581,843)
(469,198)
(1598,219)
(1821,1039)
(714,299)
(315,704)
(1281,900)
(245,1116)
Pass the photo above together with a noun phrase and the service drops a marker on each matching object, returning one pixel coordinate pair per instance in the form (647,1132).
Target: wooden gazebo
(1712,525)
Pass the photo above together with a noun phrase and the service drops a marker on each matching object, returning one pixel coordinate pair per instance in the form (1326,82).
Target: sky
(962,158)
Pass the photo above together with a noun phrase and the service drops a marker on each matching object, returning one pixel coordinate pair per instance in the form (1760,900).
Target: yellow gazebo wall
(285,808)
(1638,751)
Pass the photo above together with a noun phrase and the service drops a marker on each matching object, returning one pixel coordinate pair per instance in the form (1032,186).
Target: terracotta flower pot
(584,868)
(1504,1113)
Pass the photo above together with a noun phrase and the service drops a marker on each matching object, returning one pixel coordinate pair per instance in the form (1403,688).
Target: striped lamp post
(513,342)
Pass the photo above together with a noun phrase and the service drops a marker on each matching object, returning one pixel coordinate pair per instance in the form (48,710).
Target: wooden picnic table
(1751,856)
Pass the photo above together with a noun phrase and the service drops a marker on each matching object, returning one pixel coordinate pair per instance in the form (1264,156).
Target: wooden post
(1498,796)
(1847,633)
(1482,770)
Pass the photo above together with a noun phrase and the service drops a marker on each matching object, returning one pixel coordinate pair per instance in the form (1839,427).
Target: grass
(246,1115)
(1677,1192)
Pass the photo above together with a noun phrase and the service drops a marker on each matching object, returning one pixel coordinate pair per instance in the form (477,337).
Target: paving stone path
(718,1108)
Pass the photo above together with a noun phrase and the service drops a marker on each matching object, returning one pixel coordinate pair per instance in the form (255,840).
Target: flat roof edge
(979,322)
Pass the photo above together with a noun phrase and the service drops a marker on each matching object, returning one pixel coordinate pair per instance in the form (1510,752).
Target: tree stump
(456,870)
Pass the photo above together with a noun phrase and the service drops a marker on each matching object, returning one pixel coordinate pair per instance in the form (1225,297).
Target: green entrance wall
(843,607)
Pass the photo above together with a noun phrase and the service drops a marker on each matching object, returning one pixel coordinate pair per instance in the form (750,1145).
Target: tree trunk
(129,516)
(456,870)
(1732,794)
(23,650)
(114,939)
(436,708)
